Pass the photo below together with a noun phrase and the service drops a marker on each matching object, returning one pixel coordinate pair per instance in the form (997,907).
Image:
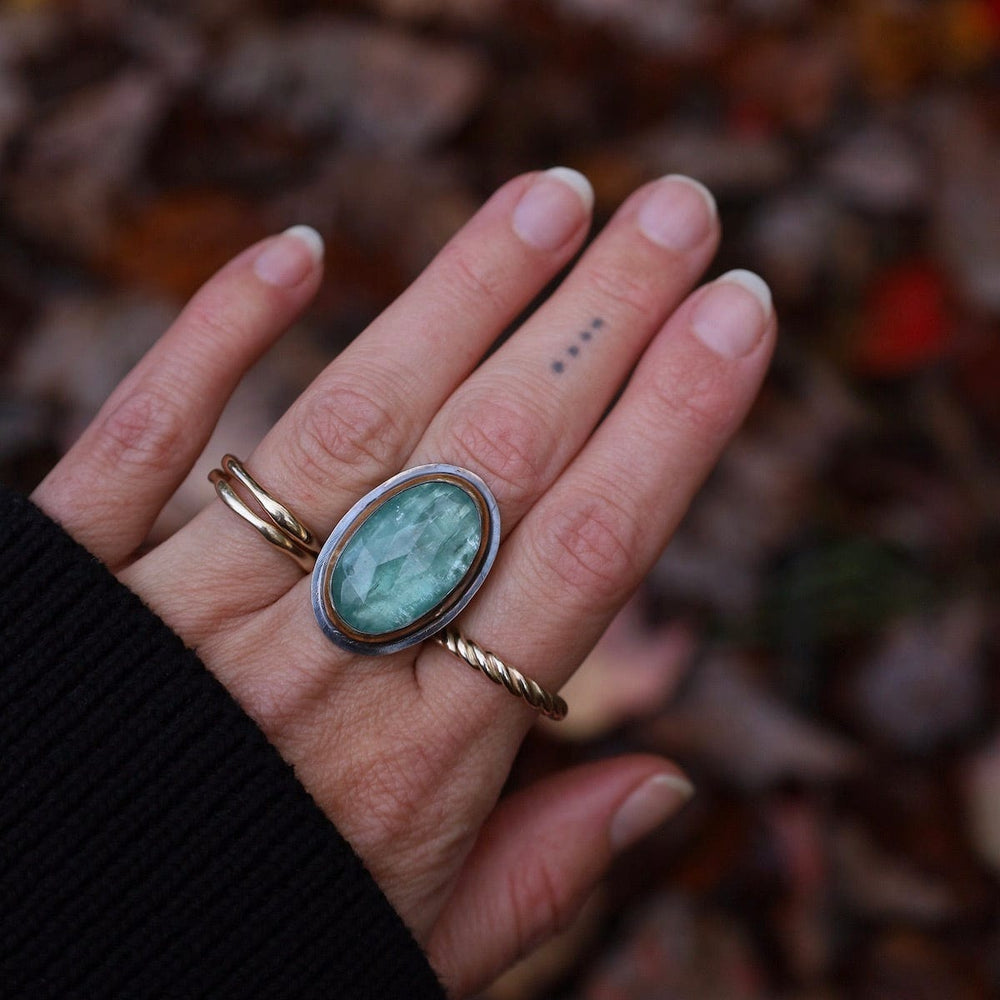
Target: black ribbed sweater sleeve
(152,842)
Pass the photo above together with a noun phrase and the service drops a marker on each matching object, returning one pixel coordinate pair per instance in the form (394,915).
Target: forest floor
(819,645)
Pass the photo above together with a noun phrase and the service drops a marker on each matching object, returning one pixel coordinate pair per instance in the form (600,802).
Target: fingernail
(733,314)
(553,208)
(678,213)
(290,257)
(647,807)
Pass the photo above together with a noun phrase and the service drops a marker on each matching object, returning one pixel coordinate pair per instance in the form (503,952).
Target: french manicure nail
(647,807)
(733,314)
(290,257)
(553,208)
(678,213)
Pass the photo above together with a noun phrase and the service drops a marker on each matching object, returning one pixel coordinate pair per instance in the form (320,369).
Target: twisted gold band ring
(500,673)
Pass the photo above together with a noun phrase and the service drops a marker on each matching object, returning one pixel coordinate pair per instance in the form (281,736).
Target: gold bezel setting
(347,637)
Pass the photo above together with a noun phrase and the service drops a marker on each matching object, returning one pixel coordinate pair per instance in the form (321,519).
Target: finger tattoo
(558,365)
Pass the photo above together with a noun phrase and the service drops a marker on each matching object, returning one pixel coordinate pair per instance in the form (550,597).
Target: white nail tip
(678,783)
(576,181)
(700,188)
(753,283)
(308,236)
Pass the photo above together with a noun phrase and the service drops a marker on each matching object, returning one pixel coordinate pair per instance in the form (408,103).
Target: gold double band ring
(399,566)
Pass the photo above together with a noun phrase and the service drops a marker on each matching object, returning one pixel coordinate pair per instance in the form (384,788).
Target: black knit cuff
(153,843)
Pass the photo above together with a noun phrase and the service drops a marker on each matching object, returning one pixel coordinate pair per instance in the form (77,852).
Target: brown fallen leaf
(966,211)
(925,683)
(676,948)
(903,964)
(177,241)
(463,12)
(686,30)
(882,886)
(981,788)
(76,172)
(731,723)
(82,346)
(798,837)
(373,85)
(631,672)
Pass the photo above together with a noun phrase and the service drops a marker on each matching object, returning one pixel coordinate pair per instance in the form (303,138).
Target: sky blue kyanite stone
(406,558)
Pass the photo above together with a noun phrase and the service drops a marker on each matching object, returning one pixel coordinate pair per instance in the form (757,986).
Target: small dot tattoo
(573,350)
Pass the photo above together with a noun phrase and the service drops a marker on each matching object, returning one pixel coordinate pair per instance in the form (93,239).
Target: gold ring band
(282,528)
(286,532)
(496,670)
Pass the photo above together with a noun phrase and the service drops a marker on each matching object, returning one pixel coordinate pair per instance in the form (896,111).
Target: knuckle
(338,426)
(587,549)
(471,281)
(503,442)
(699,406)
(625,289)
(146,429)
(212,321)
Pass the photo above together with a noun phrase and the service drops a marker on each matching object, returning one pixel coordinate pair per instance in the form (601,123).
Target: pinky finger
(539,857)
(111,485)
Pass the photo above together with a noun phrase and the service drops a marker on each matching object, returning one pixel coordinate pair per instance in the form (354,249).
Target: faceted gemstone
(407,557)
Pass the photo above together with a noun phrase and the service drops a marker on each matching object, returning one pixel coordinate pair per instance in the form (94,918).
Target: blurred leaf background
(819,644)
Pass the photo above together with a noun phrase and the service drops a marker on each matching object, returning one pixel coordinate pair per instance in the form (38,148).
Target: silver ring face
(449,604)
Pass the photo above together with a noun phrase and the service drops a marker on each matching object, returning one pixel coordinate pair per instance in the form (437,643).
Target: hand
(407,753)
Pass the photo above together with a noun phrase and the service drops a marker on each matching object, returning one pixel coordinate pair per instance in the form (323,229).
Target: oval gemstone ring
(406,559)
(399,567)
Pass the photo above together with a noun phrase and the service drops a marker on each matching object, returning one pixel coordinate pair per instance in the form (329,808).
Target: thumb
(537,859)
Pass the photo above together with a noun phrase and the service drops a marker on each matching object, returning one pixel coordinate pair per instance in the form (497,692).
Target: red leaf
(905,323)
